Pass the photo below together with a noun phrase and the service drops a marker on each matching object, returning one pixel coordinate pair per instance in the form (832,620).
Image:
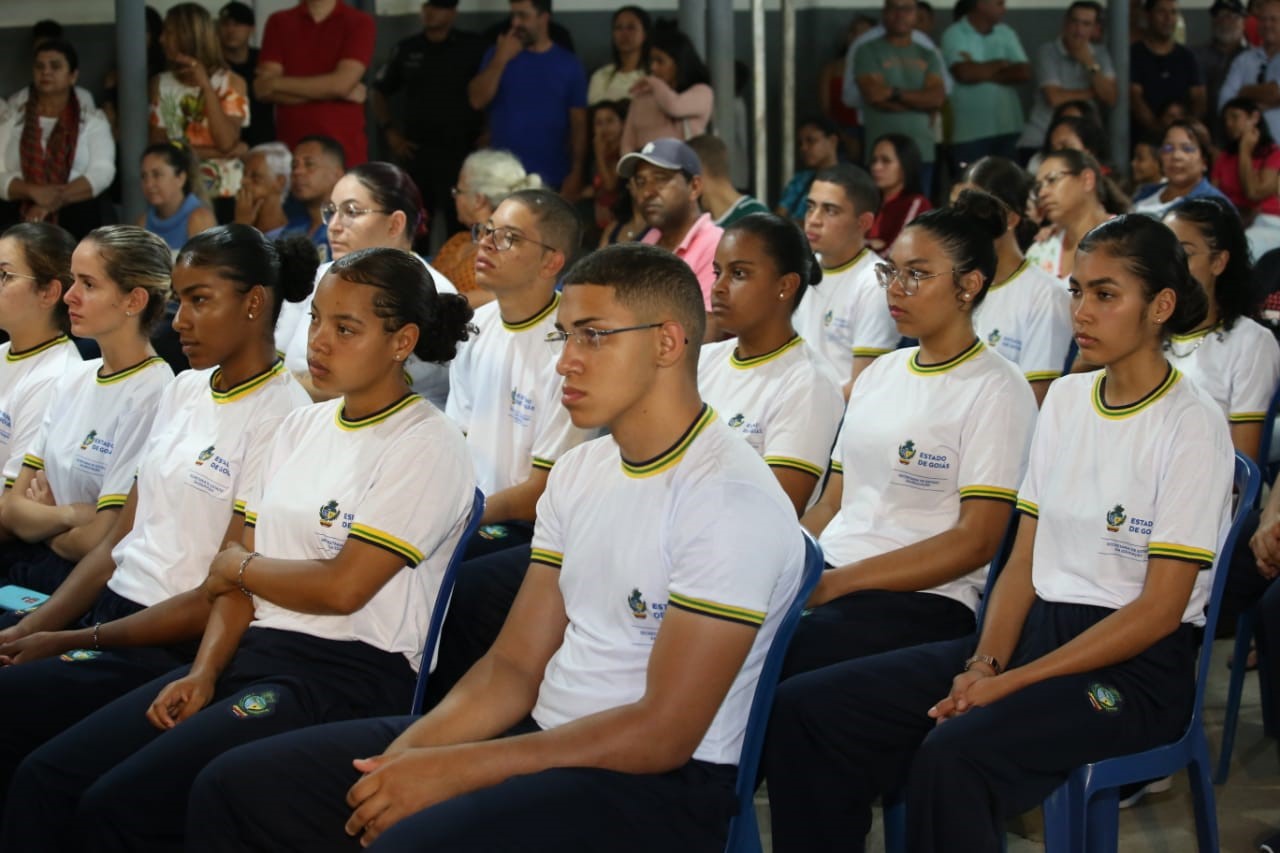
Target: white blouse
(95,157)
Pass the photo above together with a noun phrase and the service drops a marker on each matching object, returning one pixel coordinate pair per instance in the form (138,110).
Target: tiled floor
(1248,805)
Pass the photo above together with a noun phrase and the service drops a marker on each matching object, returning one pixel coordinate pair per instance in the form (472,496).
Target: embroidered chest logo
(88,439)
(255,704)
(906,452)
(737,420)
(635,601)
(1116,518)
(828,317)
(1105,698)
(993,338)
(205,455)
(79,655)
(329,514)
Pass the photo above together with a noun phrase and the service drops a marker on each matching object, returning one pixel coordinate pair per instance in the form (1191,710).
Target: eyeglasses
(1185,148)
(589,337)
(503,238)
(1050,180)
(348,211)
(6,276)
(887,274)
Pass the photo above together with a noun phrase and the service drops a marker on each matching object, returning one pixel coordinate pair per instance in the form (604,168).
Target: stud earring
(250,315)
(128,313)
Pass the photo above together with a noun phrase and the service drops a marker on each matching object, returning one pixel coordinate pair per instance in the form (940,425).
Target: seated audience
(1069,190)
(629,49)
(1144,165)
(200,101)
(317,166)
(77,471)
(1228,354)
(134,603)
(1026,315)
(896,169)
(766,383)
(844,318)
(1077,133)
(177,208)
(607,120)
(629,223)
(675,99)
(57,156)
(311,620)
(1246,172)
(720,197)
(43,32)
(1185,158)
(818,144)
(631,717)
(487,177)
(263,189)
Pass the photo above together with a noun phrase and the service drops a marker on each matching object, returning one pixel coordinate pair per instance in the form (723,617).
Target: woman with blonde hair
(487,177)
(200,100)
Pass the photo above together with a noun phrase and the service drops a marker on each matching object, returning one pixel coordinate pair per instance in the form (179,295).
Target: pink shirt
(698,250)
(665,112)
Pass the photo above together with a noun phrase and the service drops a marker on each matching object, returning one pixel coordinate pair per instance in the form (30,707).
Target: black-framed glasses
(887,274)
(348,210)
(7,276)
(589,337)
(503,238)
(1051,180)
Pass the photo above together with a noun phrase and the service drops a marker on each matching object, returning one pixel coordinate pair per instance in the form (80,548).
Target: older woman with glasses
(374,205)
(928,461)
(1186,155)
(1069,190)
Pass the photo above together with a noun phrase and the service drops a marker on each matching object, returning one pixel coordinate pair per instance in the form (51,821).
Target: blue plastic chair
(1245,626)
(1083,813)
(441,607)
(744,832)
(1072,351)
(1269,468)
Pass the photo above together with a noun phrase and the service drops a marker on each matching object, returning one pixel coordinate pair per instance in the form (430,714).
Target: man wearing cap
(433,129)
(311,64)
(535,94)
(1225,43)
(666,181)
(1255,73)
(1161,70)
(235,29)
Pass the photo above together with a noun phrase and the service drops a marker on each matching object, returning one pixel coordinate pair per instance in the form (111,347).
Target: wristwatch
(987,659)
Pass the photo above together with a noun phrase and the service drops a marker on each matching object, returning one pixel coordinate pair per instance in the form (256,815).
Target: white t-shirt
(427,380)
(27,383)
(1148,480)
(847,315)
(1238,369)
(94,431)
(198,454)
(398,479)
(704,527)
(916,441)
(1027,319)
(783,403)
(506,397)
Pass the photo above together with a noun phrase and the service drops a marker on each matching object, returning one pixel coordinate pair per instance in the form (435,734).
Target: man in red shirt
(312,61)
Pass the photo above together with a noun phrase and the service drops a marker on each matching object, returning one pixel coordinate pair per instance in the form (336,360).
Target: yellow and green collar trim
(1116,413)
(18,355)
(1196,335)
(847,265)
(535,319)
(1022,267)
(757,360)
(671,457)
(376,418)
(246,387)
(121,375)
(914,365)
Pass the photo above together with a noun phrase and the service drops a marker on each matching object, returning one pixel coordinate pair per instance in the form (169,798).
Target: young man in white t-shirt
(664,556)
(845,317)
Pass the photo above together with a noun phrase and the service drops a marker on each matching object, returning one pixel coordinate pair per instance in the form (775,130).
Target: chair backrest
(1248,483)
(1264,447)
(744,825)
(441,605)
(997,566)
(1072,351)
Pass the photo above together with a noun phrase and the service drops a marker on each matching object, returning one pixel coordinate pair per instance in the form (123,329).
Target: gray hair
(279,160)
(497,174)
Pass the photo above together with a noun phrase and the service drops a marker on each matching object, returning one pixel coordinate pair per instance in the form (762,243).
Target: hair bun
(987,212)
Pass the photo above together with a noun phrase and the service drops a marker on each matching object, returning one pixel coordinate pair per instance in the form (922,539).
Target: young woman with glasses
(1069,190)
(1088,644)
(928,460)
(374,205)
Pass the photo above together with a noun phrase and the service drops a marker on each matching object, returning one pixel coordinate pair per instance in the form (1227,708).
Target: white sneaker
(1130,795)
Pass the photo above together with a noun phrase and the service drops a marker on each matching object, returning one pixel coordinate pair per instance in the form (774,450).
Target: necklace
(1195,346)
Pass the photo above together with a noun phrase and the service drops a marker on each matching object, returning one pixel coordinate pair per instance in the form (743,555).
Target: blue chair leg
(1239,657)
(1102,822)
(1063,821)
(1202,796)
(894,813)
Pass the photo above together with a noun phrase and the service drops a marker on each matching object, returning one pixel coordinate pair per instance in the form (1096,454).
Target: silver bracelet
(240,577)
(96,647)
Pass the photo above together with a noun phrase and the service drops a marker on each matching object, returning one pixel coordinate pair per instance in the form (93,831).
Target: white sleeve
(803,426)
(1046,338)
(295,353)
(10,156)
(131,433)
(458,405)
(994,441)
(401,517)
(99,150)
(1254,376)
(872,331)
(28,419)
(1193,500)
(554,432)
(548,528)
(258,440)
(1043,453)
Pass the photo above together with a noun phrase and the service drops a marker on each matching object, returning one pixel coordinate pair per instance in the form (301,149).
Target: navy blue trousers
(841,737)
